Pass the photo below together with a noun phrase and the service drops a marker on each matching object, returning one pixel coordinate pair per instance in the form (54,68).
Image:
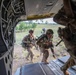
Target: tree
(21,26)
(34,25)
(17,27)
(46,22)
(30,22)
(42,21)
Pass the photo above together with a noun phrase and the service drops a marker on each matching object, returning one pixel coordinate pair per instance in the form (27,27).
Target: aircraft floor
(53,68)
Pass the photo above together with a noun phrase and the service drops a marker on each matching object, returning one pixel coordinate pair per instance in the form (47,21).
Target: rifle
(59,42)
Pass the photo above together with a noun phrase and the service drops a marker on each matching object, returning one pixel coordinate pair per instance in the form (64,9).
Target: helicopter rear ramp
(53,68)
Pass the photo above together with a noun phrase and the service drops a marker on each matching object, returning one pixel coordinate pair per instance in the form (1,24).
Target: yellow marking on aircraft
(31,17)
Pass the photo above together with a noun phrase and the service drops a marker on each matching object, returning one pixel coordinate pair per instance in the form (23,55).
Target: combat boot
(65,71)
(45,62)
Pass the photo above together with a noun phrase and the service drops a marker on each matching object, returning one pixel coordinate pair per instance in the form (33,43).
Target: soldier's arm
(25,40)
(35,38)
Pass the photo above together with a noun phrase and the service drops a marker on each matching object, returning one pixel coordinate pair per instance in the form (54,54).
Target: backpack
(24,45)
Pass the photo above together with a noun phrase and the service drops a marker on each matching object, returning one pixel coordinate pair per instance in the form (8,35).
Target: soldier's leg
(31,54)
(36,46)
(41,50)
(68,64)
(45,56)
(28,49)
(52,50)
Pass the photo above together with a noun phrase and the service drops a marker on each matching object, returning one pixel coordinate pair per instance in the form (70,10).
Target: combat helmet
(49,31)
(31,31)
(44,29)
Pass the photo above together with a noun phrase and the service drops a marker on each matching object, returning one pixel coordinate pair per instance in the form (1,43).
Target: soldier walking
(45,42)
(28,44)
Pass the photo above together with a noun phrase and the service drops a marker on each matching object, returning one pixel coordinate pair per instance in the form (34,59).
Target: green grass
(37,32)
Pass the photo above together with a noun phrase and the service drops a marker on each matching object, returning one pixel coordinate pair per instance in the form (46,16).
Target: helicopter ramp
(53,68)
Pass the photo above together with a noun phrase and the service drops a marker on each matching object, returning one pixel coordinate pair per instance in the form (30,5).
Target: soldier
(67,18)
(45,42)
(28,44)
(70,43)
(43,31)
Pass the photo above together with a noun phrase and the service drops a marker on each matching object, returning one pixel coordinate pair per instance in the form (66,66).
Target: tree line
(23,26)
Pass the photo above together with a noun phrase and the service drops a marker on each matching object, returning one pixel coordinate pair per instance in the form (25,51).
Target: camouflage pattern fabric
(28,44)
(70,43)
(27,41)
(42,40)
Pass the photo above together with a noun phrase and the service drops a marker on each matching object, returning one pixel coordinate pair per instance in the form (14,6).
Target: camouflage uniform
(42,42)
(70,43)
(28,41)
(68,35)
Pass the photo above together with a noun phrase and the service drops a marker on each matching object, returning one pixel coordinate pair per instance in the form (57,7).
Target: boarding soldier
(68,36)
(45,42)
(28,44)
(66,16)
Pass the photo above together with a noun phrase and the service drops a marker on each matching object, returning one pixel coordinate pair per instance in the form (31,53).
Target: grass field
(37,32)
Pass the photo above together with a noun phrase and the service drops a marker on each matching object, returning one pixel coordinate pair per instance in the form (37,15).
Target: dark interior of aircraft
(13,11)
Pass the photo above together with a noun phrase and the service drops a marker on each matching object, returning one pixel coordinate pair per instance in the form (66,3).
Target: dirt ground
(20,54)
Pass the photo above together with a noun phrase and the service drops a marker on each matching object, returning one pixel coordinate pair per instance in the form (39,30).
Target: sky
(49,20)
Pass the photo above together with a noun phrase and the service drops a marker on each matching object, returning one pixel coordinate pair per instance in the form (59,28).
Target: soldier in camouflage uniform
(45,42)
(70,43)
(68,35)
(28,44)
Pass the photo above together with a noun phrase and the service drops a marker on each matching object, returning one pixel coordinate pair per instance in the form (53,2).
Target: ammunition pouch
(47,46)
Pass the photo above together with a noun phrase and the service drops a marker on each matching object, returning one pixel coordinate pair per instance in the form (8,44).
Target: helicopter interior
(13,11)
